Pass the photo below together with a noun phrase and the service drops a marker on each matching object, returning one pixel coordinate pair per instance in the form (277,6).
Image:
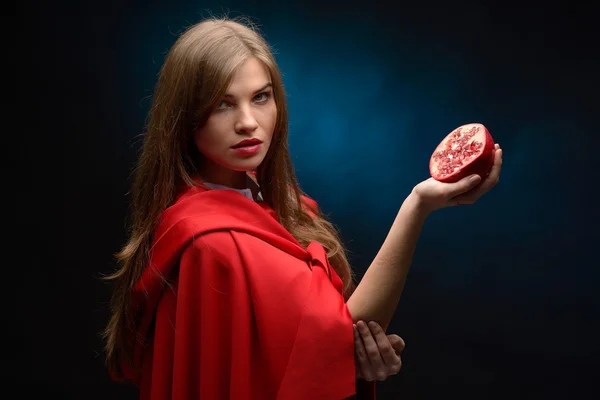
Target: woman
(233,284)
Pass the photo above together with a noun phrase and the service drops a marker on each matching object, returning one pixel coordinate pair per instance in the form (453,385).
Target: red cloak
(232,307)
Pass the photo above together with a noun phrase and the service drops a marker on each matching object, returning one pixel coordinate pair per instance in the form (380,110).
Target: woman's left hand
(433,195)
(377,354)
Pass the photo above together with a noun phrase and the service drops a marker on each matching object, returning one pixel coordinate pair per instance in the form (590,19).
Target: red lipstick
(248,147)
(247,142)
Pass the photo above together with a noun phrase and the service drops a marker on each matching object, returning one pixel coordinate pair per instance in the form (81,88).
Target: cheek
(270,120)
(207,138)
(200,140)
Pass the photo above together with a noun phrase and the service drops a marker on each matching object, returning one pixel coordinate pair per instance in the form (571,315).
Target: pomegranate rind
(480,164)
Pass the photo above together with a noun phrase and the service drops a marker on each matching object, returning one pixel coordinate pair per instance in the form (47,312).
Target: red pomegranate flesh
(467,150)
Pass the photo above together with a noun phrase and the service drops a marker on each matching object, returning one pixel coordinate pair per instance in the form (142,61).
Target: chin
(247,164)
(243,168)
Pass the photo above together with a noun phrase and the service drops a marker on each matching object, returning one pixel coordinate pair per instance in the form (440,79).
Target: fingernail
(474,178)
(372,324)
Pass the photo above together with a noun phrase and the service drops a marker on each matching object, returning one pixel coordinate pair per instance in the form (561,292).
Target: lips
(247,142)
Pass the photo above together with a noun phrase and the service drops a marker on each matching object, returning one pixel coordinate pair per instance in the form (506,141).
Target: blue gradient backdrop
(503,292)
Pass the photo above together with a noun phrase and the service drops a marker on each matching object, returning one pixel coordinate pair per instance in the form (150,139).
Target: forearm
(376,296)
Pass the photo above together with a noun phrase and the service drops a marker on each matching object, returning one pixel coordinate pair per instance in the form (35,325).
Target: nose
(245,121)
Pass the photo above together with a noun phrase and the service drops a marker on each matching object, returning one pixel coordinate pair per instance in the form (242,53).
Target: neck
(237,180)
(221,175)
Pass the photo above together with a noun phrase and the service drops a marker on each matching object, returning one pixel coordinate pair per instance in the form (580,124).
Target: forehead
(249,76)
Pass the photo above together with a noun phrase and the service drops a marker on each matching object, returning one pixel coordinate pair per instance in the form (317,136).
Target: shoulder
(216,246)
(213,259)
(210,267)
(201,211)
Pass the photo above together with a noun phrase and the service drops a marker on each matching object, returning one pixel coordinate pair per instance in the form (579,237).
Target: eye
(224,104)
(262,97)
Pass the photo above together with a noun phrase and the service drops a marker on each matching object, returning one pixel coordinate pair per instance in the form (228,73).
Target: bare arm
(378,293)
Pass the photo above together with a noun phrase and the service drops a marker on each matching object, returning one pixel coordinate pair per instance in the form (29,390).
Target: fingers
(488,183)
(387,352)
(464,185)
(360,354)
(494,176)
(372,352)
(376,358)
(397,343)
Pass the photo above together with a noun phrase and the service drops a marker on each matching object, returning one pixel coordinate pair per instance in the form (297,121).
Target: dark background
(501,298)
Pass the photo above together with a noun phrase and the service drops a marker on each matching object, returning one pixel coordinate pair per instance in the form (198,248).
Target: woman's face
(237,136)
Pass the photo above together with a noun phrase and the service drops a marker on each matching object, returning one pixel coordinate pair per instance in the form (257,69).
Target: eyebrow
(256,91)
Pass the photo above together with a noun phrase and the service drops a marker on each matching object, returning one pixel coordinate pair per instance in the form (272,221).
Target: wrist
(418,206)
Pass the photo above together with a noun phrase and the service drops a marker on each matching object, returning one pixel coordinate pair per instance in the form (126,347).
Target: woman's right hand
(433,195)
(377,355)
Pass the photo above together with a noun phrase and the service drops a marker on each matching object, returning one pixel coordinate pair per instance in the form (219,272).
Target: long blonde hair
(194,76)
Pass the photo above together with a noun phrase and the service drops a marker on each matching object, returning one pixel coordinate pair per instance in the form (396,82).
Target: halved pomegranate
(467,150)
